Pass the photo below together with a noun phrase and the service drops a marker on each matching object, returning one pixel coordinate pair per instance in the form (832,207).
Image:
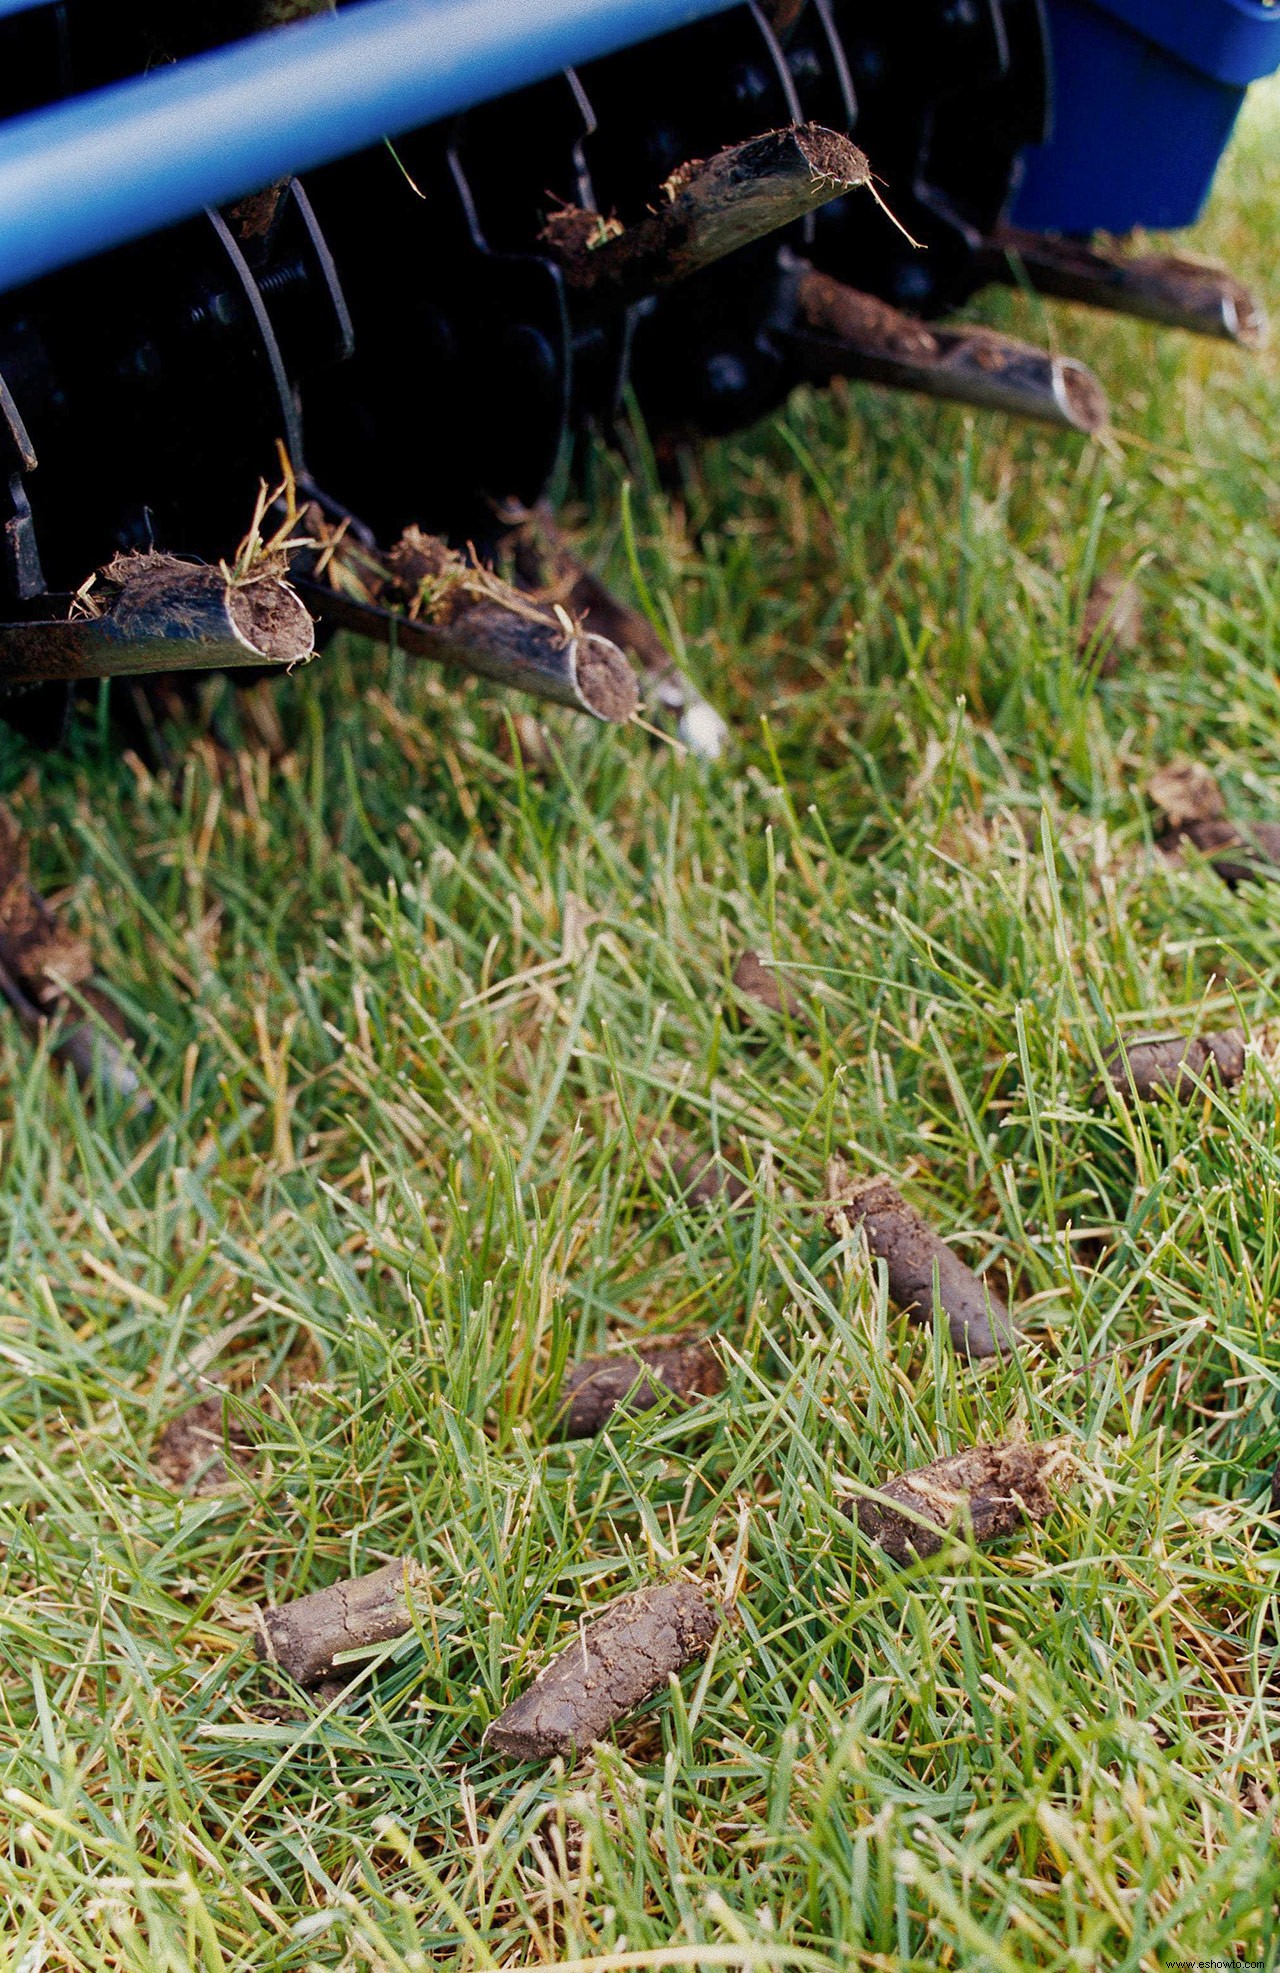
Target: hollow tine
(546,561)
(481,624)
(1179,294)
(838,331)
(707,209)
(156,613)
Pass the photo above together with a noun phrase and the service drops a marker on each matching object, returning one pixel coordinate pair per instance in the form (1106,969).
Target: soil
(191,1451)
(611,1666)
(685,1367)
(896,1234)
(996,1489)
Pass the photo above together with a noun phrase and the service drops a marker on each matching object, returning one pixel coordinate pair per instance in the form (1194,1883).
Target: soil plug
(994,1490)
(1196,813)
(190,1452)
(685,1367)
(612,1666)
(760,980)
(1177,1064)
(40,960)
(1186,791)
(304,1638)
(896,1234)
(1238,851)
(701,1176)
(1111,627)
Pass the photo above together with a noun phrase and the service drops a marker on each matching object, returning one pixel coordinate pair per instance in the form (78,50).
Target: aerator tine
(436,604)
(839,332)
(545,560)
(710,209)
(150,613)
(1179,294)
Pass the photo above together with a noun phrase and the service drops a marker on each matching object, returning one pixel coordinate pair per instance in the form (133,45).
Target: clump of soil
(609,1668)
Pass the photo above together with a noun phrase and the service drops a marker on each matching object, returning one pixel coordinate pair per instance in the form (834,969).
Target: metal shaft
(839,332)
(708,210)
(1180,294)
(161,614)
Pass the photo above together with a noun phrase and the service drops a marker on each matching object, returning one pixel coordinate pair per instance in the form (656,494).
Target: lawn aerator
(391,257)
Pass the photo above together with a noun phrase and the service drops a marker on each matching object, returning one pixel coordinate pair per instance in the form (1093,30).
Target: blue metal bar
(90,173)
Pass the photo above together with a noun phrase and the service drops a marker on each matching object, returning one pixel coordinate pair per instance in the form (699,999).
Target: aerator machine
(302,305)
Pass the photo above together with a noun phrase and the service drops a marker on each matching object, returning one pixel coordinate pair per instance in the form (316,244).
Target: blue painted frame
(90,173)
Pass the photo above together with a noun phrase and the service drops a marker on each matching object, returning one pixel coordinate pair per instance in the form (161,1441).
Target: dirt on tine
(977,1318)
(1178,1064)
(605,680)
(273,619)
(551,567)
(610,1666)
(135,584)
(418,558)
(148,594)
(684,1367)
(761,981)
(1085,395)
(463,614)
(828,154)
(709,208)
(841,332)
(831,308)
(191,1450)
(304,1637)
(553,573)
(991,1490)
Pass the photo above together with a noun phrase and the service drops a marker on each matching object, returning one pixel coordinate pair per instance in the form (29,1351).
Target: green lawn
(392,1179)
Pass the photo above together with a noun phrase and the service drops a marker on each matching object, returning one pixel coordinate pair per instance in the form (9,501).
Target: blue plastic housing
(1145,96)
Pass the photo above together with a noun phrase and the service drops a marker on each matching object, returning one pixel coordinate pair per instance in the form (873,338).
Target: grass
(391,1182)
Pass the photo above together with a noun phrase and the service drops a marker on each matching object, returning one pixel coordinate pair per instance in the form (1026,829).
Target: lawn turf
(408,1012)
